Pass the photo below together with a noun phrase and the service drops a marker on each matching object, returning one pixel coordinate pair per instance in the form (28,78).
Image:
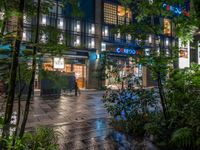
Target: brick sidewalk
(82,121)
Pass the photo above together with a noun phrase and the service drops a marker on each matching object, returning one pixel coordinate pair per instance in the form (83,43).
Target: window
(128,37)
(116,14)
(60,23)
(1,15)
(150,39)
(167,27)
(105,31)
(117,36)
(25,19)
(43,38)
(91,43)
(44,20)
(167,52)
(53,9)
(110,13)
(92,29)
(61,39)
(24,36)
(167,42)
(77,26)
(124,15)
(103,46)
(147,52)
(77,41)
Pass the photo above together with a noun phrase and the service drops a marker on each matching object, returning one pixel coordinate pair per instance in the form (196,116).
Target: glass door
(80,74)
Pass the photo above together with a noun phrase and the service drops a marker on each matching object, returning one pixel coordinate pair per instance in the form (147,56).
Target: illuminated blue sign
(127,51)
(177,9)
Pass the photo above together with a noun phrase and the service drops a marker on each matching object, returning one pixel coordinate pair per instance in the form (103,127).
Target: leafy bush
(184,102)
(43,138)
(131,109)
(139,112)
(183,137)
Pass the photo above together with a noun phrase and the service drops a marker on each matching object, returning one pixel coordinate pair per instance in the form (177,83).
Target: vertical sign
(184,55)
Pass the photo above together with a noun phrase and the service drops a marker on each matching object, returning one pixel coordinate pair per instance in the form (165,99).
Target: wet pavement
(82,122)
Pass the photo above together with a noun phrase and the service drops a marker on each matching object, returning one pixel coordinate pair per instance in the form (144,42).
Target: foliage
(43,138)
(178,89)
(131,110)
(182,137)
(59,80)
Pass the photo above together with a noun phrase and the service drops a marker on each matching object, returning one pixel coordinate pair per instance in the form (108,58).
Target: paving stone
(82,121)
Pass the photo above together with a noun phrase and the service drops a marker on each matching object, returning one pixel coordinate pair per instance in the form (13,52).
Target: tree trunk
(21,88)
(4,19)
(31,84)
(162,95)
(13,71)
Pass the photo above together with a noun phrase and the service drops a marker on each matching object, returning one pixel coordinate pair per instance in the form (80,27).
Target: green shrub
(183,137)
(131,109)
(43,138)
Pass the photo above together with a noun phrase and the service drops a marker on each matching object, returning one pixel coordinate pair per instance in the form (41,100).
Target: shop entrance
(80,73)
(125,68)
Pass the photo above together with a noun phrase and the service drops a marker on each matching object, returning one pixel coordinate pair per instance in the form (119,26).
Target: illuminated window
(77,26)
(61,39)
(167,27)
(77,41)
(150,39)
(124,15)
(103,46)
(1,15)
(24,36)
(167,42)
(158,50)
(92,29)
(110,13)
(60,23)
(105,31)
(117,36)
(114,14)
(44,20)
(91,43)
(25,19)
(147,52)
(128,37)
(43,38)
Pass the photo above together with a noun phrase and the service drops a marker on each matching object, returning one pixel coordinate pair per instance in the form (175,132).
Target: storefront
(125,61)
(75,65)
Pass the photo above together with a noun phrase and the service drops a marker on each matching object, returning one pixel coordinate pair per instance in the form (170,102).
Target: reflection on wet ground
(99,135)
(82,121)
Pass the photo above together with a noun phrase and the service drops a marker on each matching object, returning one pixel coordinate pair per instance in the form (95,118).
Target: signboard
(58,63)
(178,9)
(128,51)
(184,55)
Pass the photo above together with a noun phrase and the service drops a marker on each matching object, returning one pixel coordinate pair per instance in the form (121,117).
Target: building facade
(92,34)
(88,36)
